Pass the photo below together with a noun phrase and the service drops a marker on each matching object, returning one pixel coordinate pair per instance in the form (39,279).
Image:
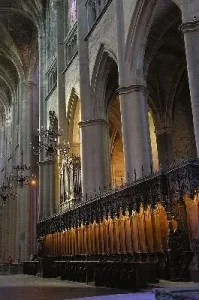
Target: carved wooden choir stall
(127,237)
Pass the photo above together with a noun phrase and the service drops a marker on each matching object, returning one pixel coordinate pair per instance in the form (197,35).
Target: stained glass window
(73,10)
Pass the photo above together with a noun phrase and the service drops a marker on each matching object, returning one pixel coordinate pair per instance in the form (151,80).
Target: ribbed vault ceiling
(165,60)
(19,24)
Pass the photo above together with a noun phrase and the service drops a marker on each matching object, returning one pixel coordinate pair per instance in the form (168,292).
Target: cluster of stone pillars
(19,215)
(94,131)
(133,103)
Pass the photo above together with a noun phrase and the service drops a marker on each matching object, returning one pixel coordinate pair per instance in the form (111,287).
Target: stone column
(135,130)
(16,161)
(95,153)
(26,138)
(61,97)
(94,133)
(190,28)
(42,122)
(134,110)
(164,145)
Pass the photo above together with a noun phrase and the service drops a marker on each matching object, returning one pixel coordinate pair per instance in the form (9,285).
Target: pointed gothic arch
(137,38)
(105,60)
(73,119)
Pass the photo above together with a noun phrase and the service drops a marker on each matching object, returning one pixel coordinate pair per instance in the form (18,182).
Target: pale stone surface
(25,70)
(104,33)
(22,287)
(96,174)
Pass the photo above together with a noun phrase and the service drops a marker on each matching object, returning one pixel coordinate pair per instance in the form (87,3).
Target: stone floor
(20,287)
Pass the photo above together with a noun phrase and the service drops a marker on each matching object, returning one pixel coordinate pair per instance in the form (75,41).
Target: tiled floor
(21,287)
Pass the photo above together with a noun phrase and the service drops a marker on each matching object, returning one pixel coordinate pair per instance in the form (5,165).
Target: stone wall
(103,33)
(71,80)
(183,133)
(129,7)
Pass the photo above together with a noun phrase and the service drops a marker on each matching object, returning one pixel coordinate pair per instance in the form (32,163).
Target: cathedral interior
(99,139)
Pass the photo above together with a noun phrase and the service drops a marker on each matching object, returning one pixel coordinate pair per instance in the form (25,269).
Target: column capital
(189,26)
(93,123)
(132,88)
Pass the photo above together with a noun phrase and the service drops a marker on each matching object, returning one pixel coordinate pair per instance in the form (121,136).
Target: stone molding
(189,26)
(45,163)
(93,123)
(28,83)
(71,104)
(132,89)
(163,130)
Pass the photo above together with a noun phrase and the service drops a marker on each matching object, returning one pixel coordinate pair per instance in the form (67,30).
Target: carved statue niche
(149,229)
(141,229)
(110,234)
(163,226)
(105,233)
(192,216)
(134,232)
(97,236)
(93,237)
(122,232)
(116,234)
(157,229)
(85,239)
(101,235)
(127,227)
(70,179)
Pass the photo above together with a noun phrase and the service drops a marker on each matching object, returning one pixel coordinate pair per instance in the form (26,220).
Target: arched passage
(166,76)
(107,103)
(160,64)
(73,119)
(19,95)
(115,140)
